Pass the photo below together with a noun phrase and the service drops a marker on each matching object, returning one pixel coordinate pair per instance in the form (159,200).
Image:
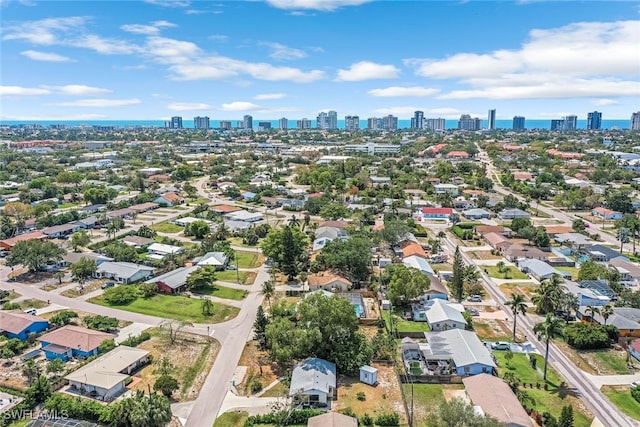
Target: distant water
(402,124)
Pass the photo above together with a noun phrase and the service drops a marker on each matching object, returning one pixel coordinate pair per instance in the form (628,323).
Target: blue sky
(154,59)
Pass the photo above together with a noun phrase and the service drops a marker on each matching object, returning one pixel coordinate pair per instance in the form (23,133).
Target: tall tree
(591,311)
(457,280)
(79,239)
(268,290)
(260,328)
(458,413)
(606,311)
(83,269)
(351,258)
(517,305)
(34,254)
(201,278)
(547,330)
(405,284)
(622,234)
(287,247)
(141,410)
(548,295)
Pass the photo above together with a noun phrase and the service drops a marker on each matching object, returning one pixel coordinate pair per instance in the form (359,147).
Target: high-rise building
(390,123)
(201,122)
(225,124)
(491,119)
(557,124)
(466,122)
(303,123)
(283,123)
(594,120)
(635,121)
(351,123)
(264,125)
(434,124)
(175,123)
(417,120)
(374,123)
(247,122)
(519,123)
(570,123)
(327,120)
(332,116)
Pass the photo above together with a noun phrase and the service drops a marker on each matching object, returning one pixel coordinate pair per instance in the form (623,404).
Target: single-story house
(18,324)
(501,403)
(419,263)
(450,189)
(332,419)
(330,232)
(183,222)
(216,259)
(63,230)
(434,213)
(314,381)
(468,355)
(600,253)
(516,251)
(334,224)
(144,207)
(540,270)
(586,296)
(605,213)
(476,213)
(72,341)
(8,244)
(463,204)
(292,203)
(522,176)
(555,230)
(485,229)
(174,281)
(168,189)
(629,273)
(437,290)
(497,241)
(123,272)
(441,316)
(248,195)
(574,240)
(245,216)
(169,199)
(105,377)
(225,209)
(92,209)
(73,257)
(125,213)
(160,250)
(234,226)
(513,213)
(626,319)
(328,281)
(320,243)
(88,222)
(410,248)
(137,241)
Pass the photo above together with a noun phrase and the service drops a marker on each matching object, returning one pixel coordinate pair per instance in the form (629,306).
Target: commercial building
(491,119)
(283,123)
(352,123)
(201,122)
(372,148)
(466,122)
(417,120)
(383,123)
(264,125)
(518,123)
(434,124)
(594,120)
(327,120)
(247,122)
(225,124)
(570,123)
(635,121)
(174,123)
(303,123)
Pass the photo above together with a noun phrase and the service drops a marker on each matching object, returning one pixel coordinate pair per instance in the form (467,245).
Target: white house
(441,316)
(123,272)
(161,251)
(245,216)
(450,189)
(314,381)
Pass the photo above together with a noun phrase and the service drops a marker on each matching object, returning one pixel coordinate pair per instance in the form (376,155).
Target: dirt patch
(258,368)
(87,288)
(524,289)
(495,330)
(383,398)
(483,255)
(34,278)
(192,357)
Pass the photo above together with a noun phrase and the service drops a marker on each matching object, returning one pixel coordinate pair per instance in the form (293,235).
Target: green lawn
(231,419)
(175,307)
(222,292)
(166,227)
(612,360)
(198,201)
(572,270)
(248,259)
(624,402)
(246,278)
(401,325)
(509,273)
(67,205)
(520,366)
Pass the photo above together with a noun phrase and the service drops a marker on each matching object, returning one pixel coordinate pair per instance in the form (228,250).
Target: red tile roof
(442,211)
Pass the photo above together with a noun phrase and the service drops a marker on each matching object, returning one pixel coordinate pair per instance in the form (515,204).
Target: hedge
(283,418)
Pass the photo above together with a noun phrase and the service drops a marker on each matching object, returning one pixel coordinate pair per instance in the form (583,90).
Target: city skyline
(157,59)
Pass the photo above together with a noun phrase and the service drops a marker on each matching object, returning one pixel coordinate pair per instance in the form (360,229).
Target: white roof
(464,347)
(104,372)
(213,258)
(164,249)
(418,262)
(243,215)
(441,311)
(122,269)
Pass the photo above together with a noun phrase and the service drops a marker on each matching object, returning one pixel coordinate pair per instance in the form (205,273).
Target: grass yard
(524,289)
(621,397)
(231,419)
(427,398)
(222,292)
(237,241)
(483,255)
(88,287)
(249,259)
(198,201)
(33,303)
(493,330)
(611,361)
(572,270)
(166,227)
(245,277)
(279,390)
(252,357)
(175,307)
(401,325)
(509,272)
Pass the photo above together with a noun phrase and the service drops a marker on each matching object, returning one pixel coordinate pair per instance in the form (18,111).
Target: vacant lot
(249,259)
(166,227)
(524,289)
(611,361)
(427,397)
(175,307)
(200,351)
(493,330)
(258,368)
(483,255)
(235,276)
(222,292)
(621,397)
(94,285)
(81,315)
(509,272)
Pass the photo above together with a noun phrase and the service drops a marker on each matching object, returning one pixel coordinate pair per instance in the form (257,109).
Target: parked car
(635,384)
(31,311)
(565,315)
(474,298)
(501,345)
(231,267)
(108,285)
(473,311)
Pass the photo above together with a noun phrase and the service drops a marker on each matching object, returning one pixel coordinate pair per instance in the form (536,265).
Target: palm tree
(606,312)
(294,222)
(592,310)
(306,221)
(548,295)
(547,330)
(441,235)
(471,274)
(30,370)
(268,289)
(517,305)
(623,235)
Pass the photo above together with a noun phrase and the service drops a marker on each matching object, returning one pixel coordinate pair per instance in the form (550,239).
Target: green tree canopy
(34,254)
(79,239)
(351,257)
(405,284)
(288,248)
(83,269)
(201,277)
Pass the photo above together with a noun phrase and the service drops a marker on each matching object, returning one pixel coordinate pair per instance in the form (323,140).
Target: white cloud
(218,37)
(44,31)
(240,106)
(80,90)
(188,106)
(106,46)
(566,62)
(100,103)
(366,70)
(268,96)
(605,102)
(282,52)
(23,91)
(45,56)
(152,29)
(323,5)
(397,91)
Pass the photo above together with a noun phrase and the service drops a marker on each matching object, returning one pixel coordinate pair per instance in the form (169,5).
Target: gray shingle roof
(313,374)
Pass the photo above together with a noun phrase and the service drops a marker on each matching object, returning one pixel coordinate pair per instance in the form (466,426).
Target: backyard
(427,398)
(402,325)
(174,307)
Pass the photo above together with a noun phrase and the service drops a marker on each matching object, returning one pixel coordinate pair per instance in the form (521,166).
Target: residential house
(73,257)
(93,209)
(411,248)
(137,241)
(419,263)
(522,176)
(332,419)
(457,155)
(513,213)
(497,241)
(225,209)
(586,296)
(18,324)
(606,214)
(441,316)
(186,221)
(477,213)
(236,226)
(160,251)
(330,233)
(463,204)
(516,252)
(72,341)
(540,270)
(124,272)
(292,204)
(464,351)
(105,378)
(626,319)
(498,229)
(8,244)
(175,281)
(144,207)
(449,189)
(629,273)
(248,196)
(604,254)
(327,281)
(573,240)
(219,260)
(125,213)
(61,231)
(169,199)
(245,216)
(501,403)
(320,243)
(437,290)
(163,190)
(88,223)
(434,213)
(555,230)
(314,381)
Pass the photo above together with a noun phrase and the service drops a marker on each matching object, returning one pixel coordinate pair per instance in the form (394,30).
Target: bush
(366,420)
(11,306)
(361,396)
(635,393)
(121,295)
(295,417)
(101,323)
(135,340)
(585,336)
(63,318)
(256,386)
(388,420)
(75,407)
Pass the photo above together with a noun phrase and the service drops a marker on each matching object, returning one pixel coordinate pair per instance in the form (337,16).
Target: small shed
(368,375)
(386,304)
